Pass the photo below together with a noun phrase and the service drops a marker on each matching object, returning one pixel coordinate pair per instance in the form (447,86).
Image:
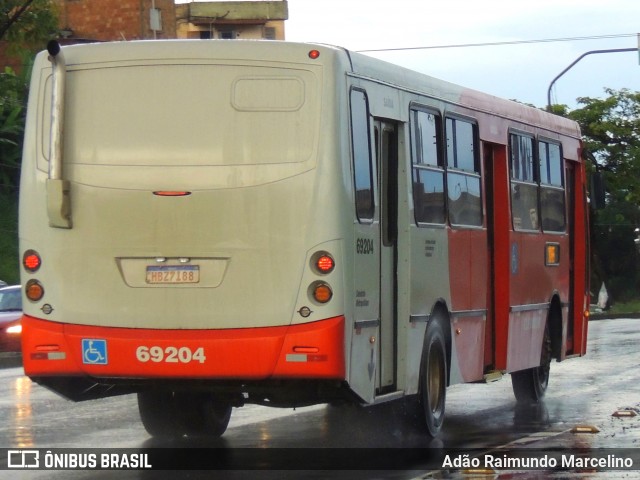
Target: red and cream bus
(209,224)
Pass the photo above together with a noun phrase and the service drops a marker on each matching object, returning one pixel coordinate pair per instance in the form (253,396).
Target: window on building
(524,183)
(227,35)
(552,194)
(269,33)
(463,173)
(428,171)
(362,160)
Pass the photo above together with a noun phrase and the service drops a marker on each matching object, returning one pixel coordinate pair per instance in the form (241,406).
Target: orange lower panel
(313,350)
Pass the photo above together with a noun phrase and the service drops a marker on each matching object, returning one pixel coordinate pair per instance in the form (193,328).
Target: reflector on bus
(171,193)
(552,254)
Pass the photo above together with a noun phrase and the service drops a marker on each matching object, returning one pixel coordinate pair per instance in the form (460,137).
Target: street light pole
(592,52)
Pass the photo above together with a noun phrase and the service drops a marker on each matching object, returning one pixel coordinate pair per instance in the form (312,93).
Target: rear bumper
(306,351)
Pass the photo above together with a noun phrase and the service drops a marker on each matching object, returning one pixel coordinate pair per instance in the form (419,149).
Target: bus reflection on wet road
(584,392)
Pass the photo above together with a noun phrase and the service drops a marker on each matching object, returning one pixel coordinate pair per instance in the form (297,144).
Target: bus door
(578,223)
(386,138)
(364,356)
(374,148)
(489,339)
(497,191)
(570,178)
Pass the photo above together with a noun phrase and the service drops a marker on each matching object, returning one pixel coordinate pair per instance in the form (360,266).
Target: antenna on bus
(58,189)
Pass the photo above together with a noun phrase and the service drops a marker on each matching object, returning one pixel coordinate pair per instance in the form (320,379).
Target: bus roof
(361,66)
(422,84)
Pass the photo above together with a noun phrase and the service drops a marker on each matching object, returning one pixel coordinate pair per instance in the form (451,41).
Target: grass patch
(632,306)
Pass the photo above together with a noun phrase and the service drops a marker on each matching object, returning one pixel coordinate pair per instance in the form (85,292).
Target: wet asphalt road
(582,392)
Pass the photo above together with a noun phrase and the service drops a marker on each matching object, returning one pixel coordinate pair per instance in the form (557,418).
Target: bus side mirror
(597,191)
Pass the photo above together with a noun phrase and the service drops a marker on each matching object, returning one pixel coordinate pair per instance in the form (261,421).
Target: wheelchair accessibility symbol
(94,351)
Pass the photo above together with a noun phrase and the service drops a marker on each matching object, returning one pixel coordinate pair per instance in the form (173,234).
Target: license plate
(169,274)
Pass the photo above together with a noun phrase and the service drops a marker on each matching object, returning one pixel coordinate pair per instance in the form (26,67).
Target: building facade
(113,20)
(232,20)
(82,21)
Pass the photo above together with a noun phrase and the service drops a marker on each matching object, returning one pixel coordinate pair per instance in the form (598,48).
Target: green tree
(13,92)
(25,27)
(611,131)
(27,24)
(12,95)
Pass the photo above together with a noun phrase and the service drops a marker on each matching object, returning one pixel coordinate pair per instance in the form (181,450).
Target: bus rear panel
(189,167)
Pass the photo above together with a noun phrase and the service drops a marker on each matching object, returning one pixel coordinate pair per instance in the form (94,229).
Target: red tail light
(323,263)
(31,260)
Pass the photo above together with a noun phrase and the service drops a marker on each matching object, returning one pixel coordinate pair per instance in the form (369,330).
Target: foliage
(611,131)
(12,99)
(611,127)
(27,24)
(9,258)
(12,96)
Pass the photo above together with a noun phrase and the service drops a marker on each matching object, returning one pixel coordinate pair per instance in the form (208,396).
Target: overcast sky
(522,72)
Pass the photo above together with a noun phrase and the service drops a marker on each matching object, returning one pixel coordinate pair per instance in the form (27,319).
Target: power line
(494,44)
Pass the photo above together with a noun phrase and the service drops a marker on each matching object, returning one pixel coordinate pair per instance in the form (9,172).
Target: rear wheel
(157,412)
(433,380)
(203,415)
(176,414)
(530,385)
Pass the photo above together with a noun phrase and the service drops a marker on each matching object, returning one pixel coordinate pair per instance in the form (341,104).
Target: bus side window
(362,161)
(428,174)
(463,173)
(552,198)
(524,186)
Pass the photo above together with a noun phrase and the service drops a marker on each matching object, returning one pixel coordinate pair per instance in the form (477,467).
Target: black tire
(203,416)
(174,415)
(530,385)
(158,414)
(433,378)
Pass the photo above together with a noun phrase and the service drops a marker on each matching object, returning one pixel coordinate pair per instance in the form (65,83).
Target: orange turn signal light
(322,292)
(34,290)
(552,254)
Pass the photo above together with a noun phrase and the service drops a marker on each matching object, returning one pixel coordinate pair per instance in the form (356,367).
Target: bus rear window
(170,115)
